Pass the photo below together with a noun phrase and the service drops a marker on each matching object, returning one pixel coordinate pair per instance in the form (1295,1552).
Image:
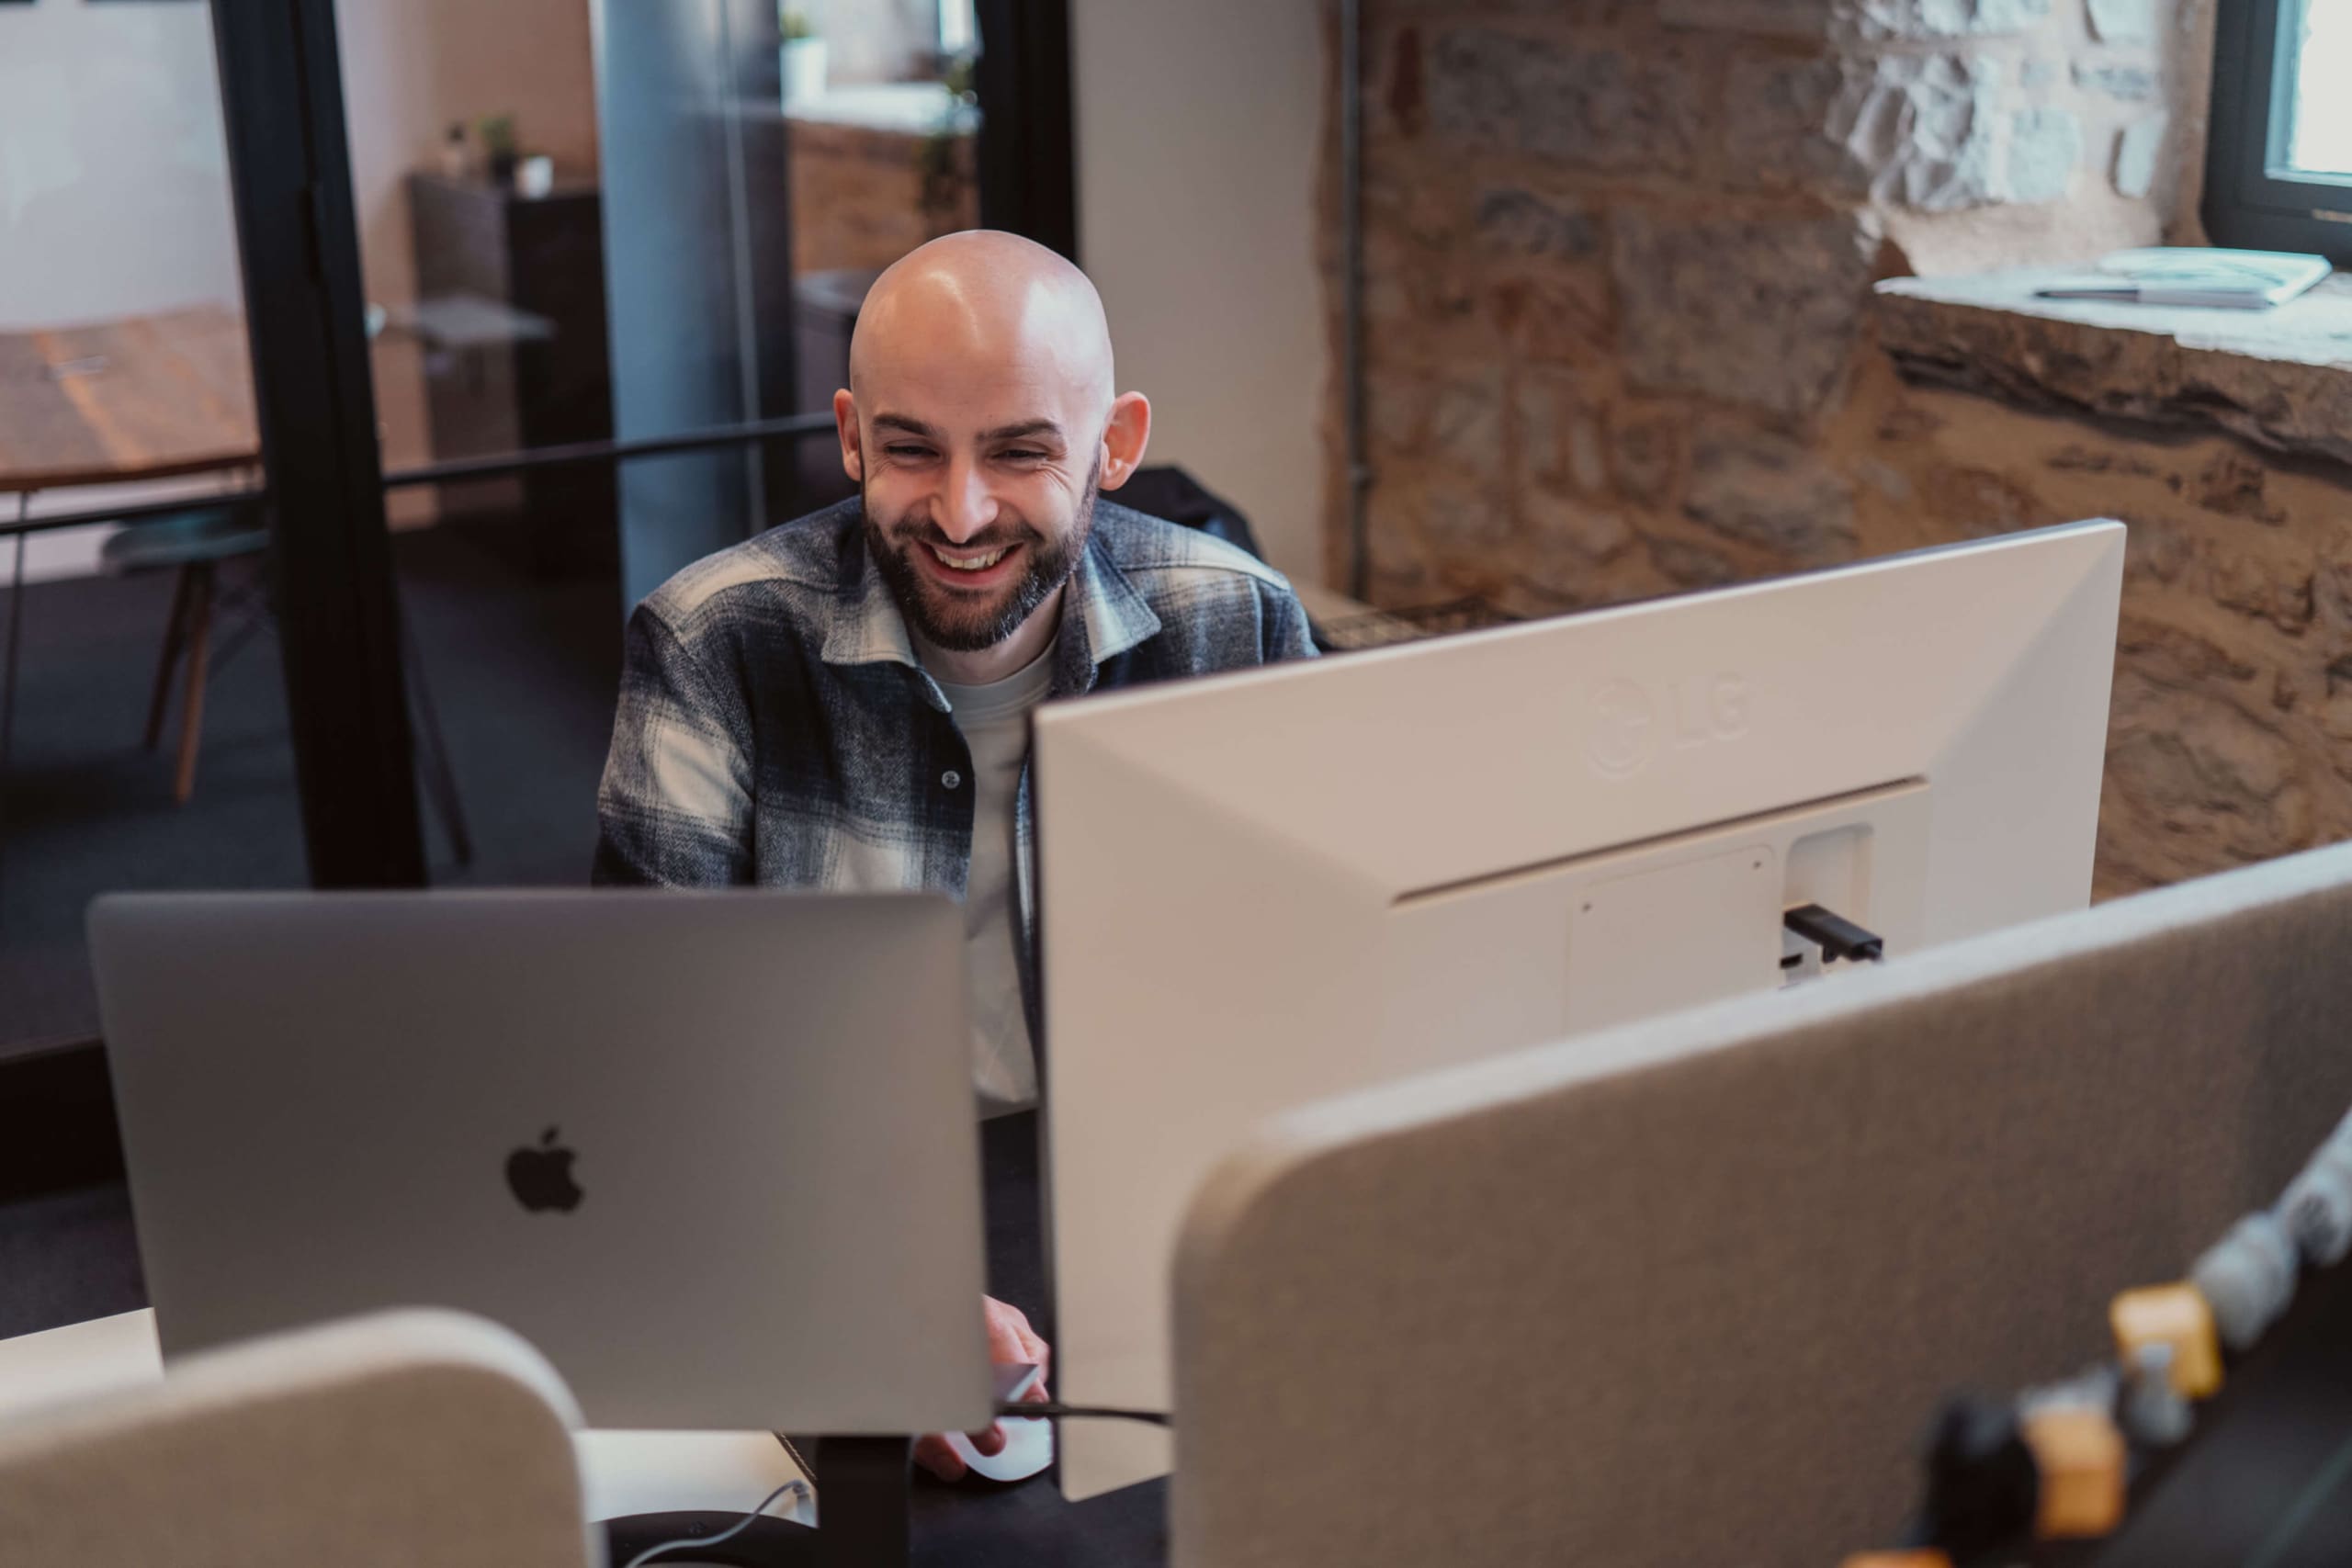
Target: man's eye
(1023,454)
(902,450)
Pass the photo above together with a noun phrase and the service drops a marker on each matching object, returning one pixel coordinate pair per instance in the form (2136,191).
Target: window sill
(2280,378)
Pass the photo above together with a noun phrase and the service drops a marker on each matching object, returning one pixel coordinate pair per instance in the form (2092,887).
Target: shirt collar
(866,627)
(1103,615)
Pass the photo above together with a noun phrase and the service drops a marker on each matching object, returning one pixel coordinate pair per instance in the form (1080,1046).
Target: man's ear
(1125,438)
(845,423)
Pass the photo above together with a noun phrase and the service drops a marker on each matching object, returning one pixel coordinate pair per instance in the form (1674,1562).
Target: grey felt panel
(1687,1292)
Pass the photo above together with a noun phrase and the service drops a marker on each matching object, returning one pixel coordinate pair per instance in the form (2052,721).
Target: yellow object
(2079,1452)
(2176,1315)
(1923,1557)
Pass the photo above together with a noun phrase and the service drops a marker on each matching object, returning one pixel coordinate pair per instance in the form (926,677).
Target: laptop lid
(712,1152)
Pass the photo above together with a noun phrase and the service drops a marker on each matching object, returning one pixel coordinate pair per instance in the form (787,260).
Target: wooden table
(143,398)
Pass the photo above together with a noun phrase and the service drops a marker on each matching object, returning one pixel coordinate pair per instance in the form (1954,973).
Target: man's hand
(1010,1340)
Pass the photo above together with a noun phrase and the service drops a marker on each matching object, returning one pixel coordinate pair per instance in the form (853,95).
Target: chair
(397,1438)
(1168,492)
(196,543)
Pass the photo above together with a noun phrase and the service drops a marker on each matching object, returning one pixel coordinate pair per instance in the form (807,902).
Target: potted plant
(803,57)
(496,134)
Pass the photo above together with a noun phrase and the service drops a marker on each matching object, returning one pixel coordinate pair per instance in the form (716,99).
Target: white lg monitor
(1269,888)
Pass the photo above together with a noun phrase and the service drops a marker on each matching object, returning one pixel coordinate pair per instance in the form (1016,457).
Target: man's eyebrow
(1027,428)
(906,423)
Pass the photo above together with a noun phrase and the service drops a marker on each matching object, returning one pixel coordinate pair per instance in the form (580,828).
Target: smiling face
(980,424)
(976,527)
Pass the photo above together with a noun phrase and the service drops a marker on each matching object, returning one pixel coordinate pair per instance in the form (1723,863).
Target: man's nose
(966,507)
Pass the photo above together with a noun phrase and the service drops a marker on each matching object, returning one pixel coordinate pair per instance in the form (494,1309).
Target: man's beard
(958,624)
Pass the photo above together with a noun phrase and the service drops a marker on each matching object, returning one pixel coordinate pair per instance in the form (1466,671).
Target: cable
(1040,1410)
(1031,1410)
(1837,937)
(737,1528)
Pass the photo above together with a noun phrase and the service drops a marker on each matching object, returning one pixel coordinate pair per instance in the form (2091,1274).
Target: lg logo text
(1631,723)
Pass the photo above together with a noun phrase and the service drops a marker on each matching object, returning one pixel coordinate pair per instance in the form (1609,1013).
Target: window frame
(2247,203)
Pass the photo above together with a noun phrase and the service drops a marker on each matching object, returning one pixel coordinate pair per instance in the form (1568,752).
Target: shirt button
(951,778)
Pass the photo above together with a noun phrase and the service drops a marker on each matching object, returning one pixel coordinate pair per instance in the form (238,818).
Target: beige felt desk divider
(396,1440)
(1687,1292)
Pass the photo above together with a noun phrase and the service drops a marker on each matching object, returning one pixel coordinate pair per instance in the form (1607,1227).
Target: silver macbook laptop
(713,1153)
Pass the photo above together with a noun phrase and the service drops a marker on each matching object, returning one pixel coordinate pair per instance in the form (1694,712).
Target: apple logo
(541,1176)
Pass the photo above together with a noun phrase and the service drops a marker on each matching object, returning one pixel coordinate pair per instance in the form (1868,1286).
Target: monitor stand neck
(863,1489)
(861,1495)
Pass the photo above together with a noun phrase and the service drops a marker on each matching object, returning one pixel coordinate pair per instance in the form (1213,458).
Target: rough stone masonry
(1618,262)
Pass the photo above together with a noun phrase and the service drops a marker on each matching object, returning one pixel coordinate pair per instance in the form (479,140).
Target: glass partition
(589,226)
(143,736)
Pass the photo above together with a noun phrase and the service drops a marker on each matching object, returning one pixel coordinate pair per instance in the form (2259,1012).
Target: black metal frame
(791,428)
(198,501)
(2248,202)
(1028,161)
(281,99)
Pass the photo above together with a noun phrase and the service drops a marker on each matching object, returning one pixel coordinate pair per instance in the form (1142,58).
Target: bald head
(978,421)
(984,298)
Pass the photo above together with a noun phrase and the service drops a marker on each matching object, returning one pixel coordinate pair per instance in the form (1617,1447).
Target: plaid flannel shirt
(776,728)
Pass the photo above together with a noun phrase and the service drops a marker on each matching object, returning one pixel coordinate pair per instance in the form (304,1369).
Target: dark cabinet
(510,312)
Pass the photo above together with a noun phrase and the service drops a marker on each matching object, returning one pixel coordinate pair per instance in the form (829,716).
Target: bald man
(840,703)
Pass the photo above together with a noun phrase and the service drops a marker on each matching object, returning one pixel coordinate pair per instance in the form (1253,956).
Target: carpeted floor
(522,668)
(67,1258)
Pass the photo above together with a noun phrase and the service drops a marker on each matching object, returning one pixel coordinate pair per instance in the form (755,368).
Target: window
(957,25)
(2278,168)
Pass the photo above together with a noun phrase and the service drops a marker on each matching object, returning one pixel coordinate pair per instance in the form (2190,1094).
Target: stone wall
(1620,341)
(862,198)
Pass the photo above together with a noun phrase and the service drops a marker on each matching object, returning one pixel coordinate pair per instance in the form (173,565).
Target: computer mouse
(1028,1449)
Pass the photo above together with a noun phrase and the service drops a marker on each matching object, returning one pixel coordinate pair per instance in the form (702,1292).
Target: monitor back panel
(1285,884)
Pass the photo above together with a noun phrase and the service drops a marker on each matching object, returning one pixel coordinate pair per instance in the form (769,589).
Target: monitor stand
(862,1487)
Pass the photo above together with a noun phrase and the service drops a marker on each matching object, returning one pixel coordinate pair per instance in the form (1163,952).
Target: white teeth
(968,563)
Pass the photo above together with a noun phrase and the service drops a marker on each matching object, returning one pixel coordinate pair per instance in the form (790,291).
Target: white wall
(1198,127)
(874,40)
(114,179)
(114,192)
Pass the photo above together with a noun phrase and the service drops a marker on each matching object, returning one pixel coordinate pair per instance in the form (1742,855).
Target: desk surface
(633,1472)
(970,1525)
(141,398)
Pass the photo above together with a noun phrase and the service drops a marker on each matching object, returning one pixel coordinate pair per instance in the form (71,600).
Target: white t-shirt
(991,718)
